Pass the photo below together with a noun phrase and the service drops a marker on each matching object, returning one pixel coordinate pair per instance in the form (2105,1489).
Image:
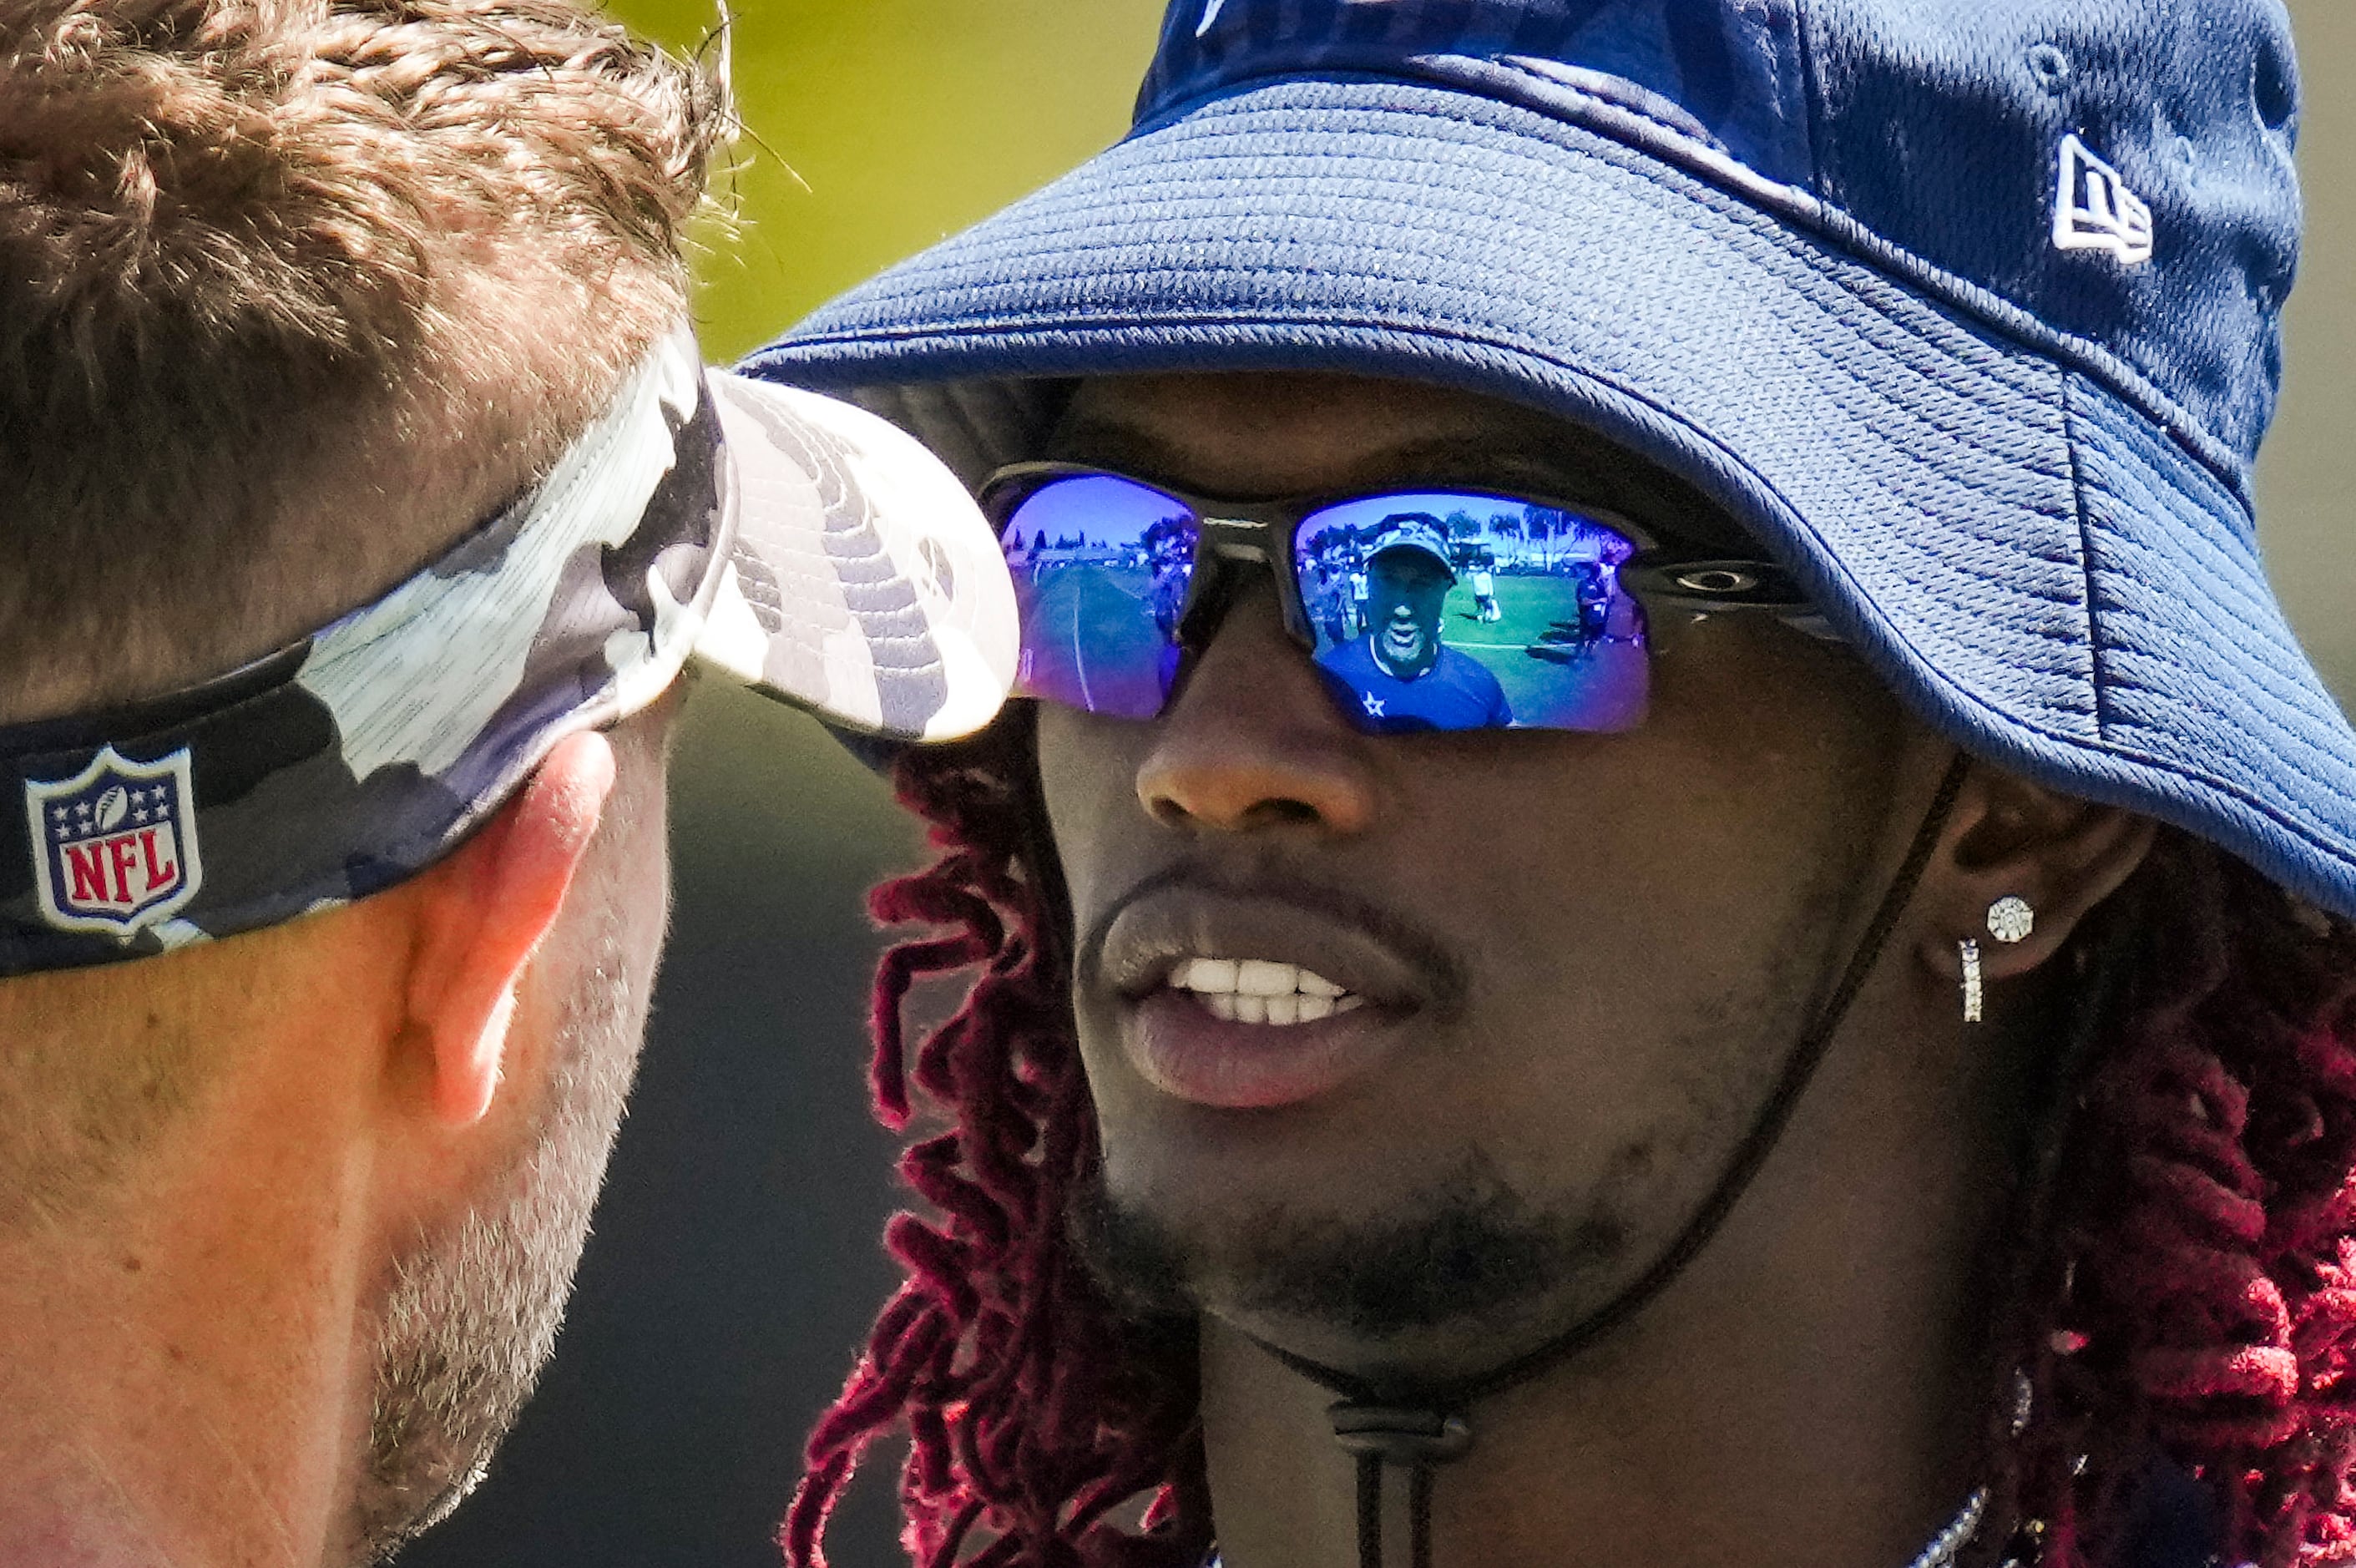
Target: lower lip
(1180,1049)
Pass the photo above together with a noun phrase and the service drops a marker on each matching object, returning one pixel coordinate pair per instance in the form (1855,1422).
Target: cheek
(1597,884)
(1088,779)
(643,876)
(1646,916)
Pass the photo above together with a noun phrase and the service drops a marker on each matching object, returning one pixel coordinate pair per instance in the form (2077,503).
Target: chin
(1408,1275)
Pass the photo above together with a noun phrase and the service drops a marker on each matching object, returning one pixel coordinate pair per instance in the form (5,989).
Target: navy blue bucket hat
(1969,309)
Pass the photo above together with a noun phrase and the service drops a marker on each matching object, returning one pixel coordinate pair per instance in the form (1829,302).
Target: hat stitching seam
(2284,741)
(2282,688)
(1837,227)
(2095,642)
(1869,248)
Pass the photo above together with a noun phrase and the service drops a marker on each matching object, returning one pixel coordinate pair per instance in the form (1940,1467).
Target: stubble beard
(474,1309)
(1467,1249)
(1464,1258)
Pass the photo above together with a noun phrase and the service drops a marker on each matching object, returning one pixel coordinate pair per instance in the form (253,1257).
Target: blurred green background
(881,126)
(735,1264)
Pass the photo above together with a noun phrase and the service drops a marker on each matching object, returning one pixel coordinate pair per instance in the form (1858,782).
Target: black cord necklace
(1419,1428)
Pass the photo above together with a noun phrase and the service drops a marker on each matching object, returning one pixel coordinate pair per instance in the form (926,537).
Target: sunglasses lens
(1101,568)
(1462,611)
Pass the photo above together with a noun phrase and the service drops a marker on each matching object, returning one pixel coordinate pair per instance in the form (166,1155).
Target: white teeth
(1261,991)
(1259,977)
(1207,975)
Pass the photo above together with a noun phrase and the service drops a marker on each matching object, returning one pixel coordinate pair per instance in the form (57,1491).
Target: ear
(2011,838)
(481,914)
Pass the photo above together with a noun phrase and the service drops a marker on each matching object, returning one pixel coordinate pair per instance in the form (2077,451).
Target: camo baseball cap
(777,537)
(1417,533)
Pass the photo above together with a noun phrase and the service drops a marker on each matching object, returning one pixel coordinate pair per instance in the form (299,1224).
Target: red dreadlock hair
(2187,1260)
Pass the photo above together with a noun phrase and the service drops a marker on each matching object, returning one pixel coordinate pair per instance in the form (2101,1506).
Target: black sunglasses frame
(1237,535)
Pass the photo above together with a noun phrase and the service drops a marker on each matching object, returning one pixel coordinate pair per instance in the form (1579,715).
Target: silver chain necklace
(1945,1545)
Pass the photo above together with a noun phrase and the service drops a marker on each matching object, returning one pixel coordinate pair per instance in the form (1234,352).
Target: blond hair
(262,262)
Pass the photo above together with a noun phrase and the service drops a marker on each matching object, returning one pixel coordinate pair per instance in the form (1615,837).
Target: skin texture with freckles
(1589,956)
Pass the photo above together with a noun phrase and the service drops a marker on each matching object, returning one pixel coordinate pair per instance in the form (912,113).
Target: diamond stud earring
(1969,951)
(2011,919)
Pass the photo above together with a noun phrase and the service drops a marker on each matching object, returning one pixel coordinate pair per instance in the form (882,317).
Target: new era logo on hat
(2094,210)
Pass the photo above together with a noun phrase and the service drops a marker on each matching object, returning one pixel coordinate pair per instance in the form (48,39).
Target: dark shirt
(1455,694)
(2172,1522)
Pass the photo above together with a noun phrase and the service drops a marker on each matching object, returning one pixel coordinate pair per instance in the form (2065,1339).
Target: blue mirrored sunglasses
(1425,608)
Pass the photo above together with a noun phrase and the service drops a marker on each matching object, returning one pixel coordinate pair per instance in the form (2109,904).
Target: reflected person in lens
(1400,673)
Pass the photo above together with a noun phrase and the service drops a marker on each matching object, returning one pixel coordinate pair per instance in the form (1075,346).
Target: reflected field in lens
(1090,639)
(1101,568)
(1542,662)
(1449,610)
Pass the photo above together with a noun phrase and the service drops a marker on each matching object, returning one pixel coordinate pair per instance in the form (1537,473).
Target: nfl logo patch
(115,846)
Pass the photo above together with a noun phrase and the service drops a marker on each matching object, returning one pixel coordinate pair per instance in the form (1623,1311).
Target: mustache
(1446,976)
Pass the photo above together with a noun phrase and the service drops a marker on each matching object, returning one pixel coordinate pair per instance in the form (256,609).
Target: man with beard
(1865,1073)
(1400,674)
(367,498)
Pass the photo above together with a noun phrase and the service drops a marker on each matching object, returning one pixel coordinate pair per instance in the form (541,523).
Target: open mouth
(1247,1001)
(1292,1036)
(1261,991)
(1403,643)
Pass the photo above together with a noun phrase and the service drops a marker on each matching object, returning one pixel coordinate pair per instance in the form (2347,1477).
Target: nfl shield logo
(115,846)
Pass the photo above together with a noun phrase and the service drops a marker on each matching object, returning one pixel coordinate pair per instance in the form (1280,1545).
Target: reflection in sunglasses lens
(1458,611)
(1428,611)
(1101,568)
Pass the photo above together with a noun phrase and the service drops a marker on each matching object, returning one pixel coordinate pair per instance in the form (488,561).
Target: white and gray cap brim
(859,581)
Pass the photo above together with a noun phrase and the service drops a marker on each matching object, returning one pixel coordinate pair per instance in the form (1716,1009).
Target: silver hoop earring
(2011,920)
(1970,952)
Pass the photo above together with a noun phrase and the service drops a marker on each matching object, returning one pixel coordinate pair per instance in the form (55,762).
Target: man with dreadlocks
(1864,1072)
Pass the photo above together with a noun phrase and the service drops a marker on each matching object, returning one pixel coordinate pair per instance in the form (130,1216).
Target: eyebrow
(1105,441)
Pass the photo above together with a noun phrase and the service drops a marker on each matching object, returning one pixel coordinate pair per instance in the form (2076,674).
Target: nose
(1254,742)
